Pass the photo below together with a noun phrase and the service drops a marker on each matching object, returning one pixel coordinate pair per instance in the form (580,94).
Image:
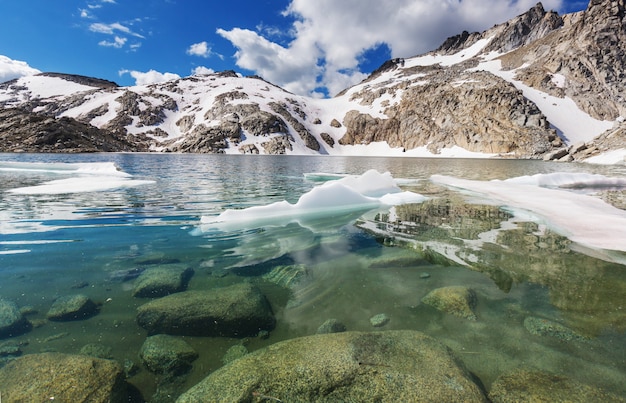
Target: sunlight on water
(534,298)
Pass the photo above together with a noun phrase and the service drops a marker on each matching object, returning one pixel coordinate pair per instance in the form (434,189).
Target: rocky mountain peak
(523,29)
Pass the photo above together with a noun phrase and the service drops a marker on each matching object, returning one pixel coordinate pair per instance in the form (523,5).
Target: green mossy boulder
(62,378)
(392,366)
(239,310)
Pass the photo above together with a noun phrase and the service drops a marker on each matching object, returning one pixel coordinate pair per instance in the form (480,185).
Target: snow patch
(574,125)
(609,158)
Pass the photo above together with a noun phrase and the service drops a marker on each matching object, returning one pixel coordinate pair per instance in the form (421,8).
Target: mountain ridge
(537,86)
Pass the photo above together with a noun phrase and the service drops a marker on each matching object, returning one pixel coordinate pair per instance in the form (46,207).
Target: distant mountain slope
(538,86)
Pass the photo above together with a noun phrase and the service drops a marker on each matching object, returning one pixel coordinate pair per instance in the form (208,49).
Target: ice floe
(333,198)
(85,177)
(582,218)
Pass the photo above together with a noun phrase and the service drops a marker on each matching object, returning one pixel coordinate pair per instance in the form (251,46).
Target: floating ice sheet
(337,197)
(584,219)
(86,177)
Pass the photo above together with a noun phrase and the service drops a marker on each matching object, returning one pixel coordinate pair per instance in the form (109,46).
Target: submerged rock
(234,353)
(162,280)
(393,366)
(536,386)
(72,307)
(97,350)
(165,354)
(239,310)
(64,378)
(545,327)
(287,276)
(331,326)
(455,300)
(12,322)
(379,320)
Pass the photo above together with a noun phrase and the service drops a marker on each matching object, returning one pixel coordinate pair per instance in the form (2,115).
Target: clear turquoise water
(359,265)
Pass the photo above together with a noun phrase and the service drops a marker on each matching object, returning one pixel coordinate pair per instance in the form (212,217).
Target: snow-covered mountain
(537,86)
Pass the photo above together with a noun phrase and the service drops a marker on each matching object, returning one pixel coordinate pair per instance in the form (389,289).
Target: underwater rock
(162,280)
(64,378)
(10,349)
(331,326)
(239,310)
(163,354)
(545,327)
(536,386)
(12,322)
(455,300)
(72,307)
(234,353)
(390,366)
(96,350)
(287,276)
(379,320)
(120,276)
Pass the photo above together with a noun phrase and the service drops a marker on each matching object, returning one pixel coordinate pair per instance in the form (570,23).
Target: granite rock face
(24,131)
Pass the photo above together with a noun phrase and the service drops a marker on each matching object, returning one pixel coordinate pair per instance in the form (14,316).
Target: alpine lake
(534,299)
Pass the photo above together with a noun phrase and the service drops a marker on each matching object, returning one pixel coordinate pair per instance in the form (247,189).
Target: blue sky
(315,47)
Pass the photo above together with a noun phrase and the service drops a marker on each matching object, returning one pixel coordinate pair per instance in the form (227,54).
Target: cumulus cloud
(329,36)
(201,49)
(10,69)
(201,70)
(149,77)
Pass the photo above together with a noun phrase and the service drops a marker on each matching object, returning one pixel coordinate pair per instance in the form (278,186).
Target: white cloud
(294,68)
(118,42)
(149,77)
(201,70)
(201,49)
(329,36)
(111,29)
(10,69)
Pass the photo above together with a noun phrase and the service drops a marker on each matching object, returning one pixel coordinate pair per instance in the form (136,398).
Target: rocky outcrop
(588,51)
(393,366)
(474,110)
(25,131)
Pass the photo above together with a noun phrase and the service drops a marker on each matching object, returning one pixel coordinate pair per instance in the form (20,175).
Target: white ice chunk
(569,180)
(584,219)
(87,177)
(349,194)
(80,185)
